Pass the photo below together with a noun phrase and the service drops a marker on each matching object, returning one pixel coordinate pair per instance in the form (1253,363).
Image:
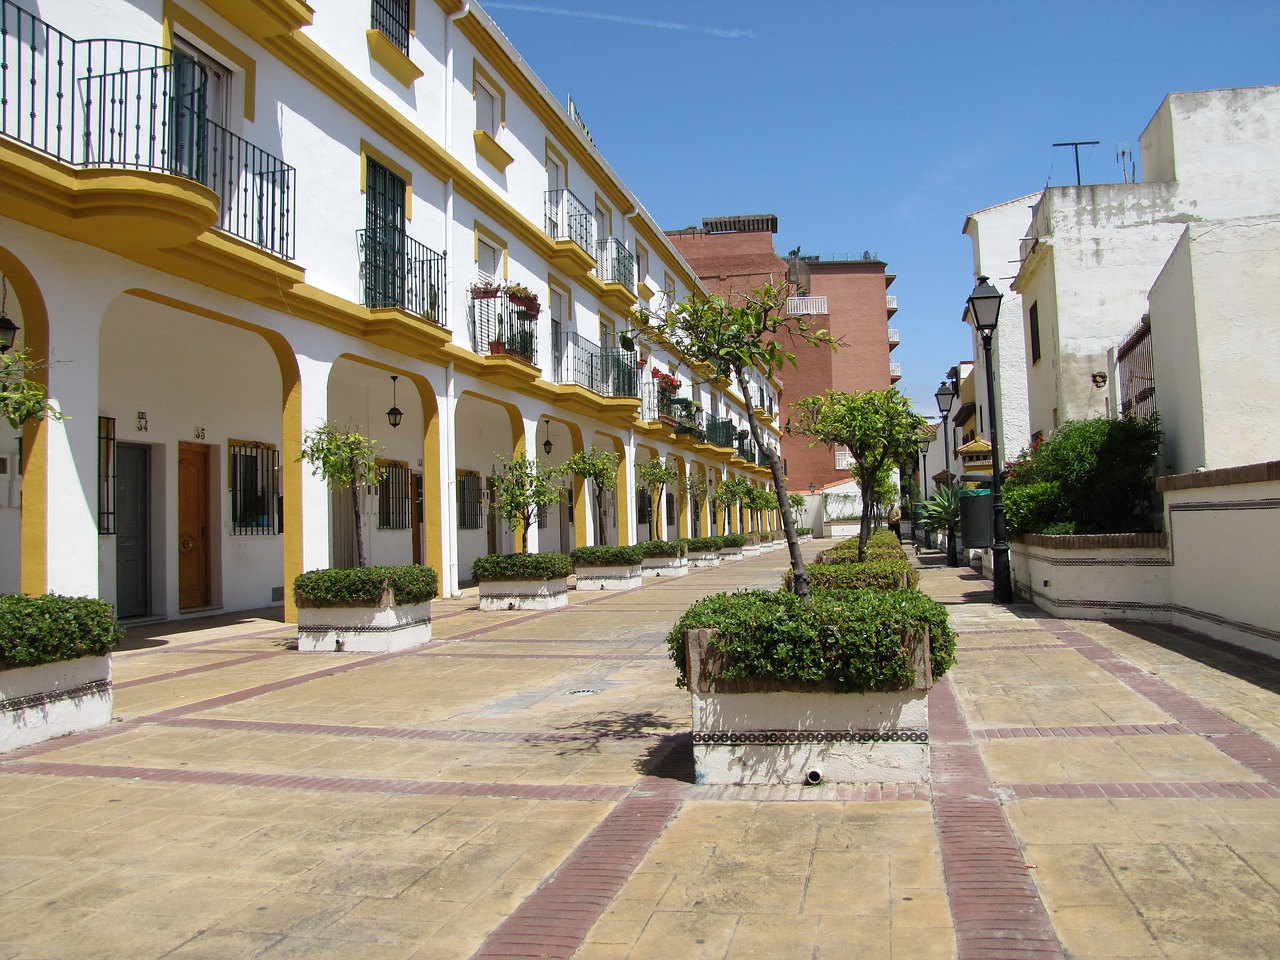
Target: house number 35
(199,433)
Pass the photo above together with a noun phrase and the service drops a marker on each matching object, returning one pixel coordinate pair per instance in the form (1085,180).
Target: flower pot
(381,629)
(664,567)
(524,594)
(53,699)
(617,577)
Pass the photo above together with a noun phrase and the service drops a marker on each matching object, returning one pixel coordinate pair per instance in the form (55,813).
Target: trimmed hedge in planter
(733,541)
(662,548)
(606,556)
(873,575)
(521,566)
(366,586)
(847,641)
(804,531)
(703,544)
(50,628)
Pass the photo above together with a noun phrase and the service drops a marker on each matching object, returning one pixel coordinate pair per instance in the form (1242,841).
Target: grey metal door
(133,530)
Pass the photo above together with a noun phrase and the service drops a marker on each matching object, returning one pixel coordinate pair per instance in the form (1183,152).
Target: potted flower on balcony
(485,289)
(524,299)
(667,383)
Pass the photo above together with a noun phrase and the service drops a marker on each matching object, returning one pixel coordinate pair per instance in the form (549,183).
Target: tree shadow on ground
(1250,666)
(611,727)
(671,758)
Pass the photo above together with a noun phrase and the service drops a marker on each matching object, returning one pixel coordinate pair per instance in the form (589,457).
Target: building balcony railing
(895,372)
(895,337)
(806,306)
(568,218)
(615,263)
(610,373)
(502,326)
(398,271)
(891,302)
(721,432)
(391,19)
(746,449)
(657,404)
(120,104)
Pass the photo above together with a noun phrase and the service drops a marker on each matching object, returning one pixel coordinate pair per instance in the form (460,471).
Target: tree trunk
(599,495)
(355,507)
(864,529)
(800,576)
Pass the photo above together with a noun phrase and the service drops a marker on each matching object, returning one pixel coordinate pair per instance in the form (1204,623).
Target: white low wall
(383,629)
(524,594)
(1098,577)
(53,699)
(607,578)
(703,558)
(665,566)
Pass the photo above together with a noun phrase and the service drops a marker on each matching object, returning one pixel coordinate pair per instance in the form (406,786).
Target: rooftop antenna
(1124,157)
(1076,145)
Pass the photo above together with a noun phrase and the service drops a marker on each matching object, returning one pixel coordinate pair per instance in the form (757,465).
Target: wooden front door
(193,526)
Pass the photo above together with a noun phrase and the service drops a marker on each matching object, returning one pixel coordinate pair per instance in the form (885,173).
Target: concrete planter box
(524,594)
(381,629)
(1095,577)
(608,577)
(841,529)
(703,558)
(751,550)
(665,566)
(53,699)
(731,553)
(762,732)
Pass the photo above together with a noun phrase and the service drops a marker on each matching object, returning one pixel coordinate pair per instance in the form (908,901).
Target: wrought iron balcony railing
(398,271)
(501,325)
(126,105)
(610,373)
(747,449)
(721,432)
(567,218)
(615,263)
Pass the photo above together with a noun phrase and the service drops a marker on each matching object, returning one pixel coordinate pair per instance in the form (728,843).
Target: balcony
(568,221)
(609,373)
(615,274)
(127,106)
(806,306)
(895,338)
(658,405)
(891,303)
(895,372)
(503,326)
(398,271)
(721,432)
(746,449)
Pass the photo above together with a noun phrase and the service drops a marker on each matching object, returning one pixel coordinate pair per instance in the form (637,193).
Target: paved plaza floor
(523,787)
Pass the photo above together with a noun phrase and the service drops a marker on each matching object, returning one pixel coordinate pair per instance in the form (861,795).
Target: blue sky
(879,126)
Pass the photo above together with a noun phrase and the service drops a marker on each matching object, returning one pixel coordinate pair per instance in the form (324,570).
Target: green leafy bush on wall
(521,566)
(804,531)
(854,641)
(733,541)
(50,628)
(703,544)
(365,586)
(604,556)
(874,574)
(662,548)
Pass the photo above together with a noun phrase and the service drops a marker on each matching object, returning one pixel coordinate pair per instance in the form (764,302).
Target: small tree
(697,493)
(344,458)
(653,476)
(879,428)
(522,489)
(735,337)
(601,468)
(21,399)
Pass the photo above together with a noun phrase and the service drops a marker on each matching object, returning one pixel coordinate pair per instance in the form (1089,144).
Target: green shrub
(752,540)
(804,531)
(606,556)
(1032,507)
(733,540)
(1064,529)
(662,548)
(852,640)
(703,544)
(364,586)
(50,628)
(875,574)
(521,566)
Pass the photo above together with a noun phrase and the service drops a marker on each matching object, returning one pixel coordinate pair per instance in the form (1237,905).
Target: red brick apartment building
(734,255)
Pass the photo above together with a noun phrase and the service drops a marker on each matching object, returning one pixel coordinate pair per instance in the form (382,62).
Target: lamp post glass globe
(946,396)
(984,306)
(395,414)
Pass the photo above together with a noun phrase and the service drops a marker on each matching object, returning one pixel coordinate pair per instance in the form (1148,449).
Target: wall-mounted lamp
(394,415)
(546,444)
(813,487)
(8,329)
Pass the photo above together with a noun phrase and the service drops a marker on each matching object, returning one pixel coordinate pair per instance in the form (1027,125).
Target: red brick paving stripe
(1104,730)
(1008,647)
(1244,746)
(555,919)
(435,788)
(551,656)
(1178,790)
(203,668)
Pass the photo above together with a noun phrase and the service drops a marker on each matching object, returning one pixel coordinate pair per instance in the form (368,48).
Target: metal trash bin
(975,509)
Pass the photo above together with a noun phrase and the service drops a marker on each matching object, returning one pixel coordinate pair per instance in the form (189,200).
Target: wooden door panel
(193,526)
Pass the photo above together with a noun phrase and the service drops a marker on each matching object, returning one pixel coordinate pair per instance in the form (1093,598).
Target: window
(671,509)
(1035,332)
(391,19)
(395,501)
(486,110)
(644,506)
(106,474)
(470,510)
(544,516)
(384,236)
(254,478)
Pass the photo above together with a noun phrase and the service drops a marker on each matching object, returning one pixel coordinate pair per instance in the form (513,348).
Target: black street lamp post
(924,482)
(984,314)
(946,396)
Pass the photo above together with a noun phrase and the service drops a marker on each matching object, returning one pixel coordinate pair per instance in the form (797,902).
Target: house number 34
(199,433)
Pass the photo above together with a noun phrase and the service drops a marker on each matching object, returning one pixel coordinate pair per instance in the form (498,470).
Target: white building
(236,221)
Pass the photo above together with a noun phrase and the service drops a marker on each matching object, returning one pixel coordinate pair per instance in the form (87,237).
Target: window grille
(391,19)
(644,506)
(395,502)
(671,509)
(1136,370)
(544,516)
(470,509)
(106,474)
(254,479)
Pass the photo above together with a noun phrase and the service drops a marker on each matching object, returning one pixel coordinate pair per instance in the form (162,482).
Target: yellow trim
(491,150)
(369,152)
(264,18)
(480,230)
(189,23)
(551,150)
(391,58)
